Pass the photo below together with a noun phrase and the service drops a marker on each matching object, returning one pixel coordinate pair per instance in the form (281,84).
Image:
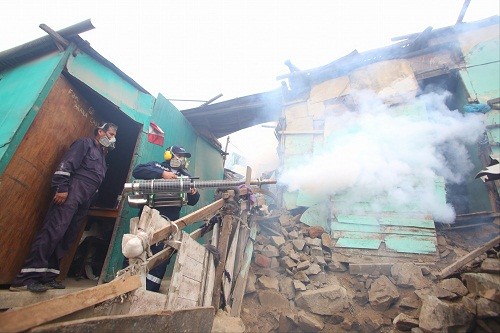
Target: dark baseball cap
(178,150)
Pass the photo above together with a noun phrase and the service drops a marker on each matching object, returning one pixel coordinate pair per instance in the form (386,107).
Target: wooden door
(25,185)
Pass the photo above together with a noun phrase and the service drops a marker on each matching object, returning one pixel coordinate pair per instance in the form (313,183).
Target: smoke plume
(378,157)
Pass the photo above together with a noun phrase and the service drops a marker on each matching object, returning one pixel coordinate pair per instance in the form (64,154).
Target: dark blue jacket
(84,160)
(154,170)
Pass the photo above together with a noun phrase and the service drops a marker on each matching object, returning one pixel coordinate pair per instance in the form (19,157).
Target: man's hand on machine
(168,175)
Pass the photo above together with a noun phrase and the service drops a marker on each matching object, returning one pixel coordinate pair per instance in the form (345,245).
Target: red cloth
(155,134)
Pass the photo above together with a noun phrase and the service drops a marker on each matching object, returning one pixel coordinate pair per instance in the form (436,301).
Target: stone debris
(296,286)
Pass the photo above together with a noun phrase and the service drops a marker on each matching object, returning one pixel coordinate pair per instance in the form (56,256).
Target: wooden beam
(187,220)
(462,12)
(199,320)
(24,318)
(447,271)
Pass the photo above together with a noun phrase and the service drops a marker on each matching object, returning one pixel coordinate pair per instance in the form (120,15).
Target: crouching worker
(75,184)
(174,165)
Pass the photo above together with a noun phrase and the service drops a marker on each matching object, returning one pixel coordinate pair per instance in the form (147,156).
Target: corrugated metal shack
(462,59)
(54,90)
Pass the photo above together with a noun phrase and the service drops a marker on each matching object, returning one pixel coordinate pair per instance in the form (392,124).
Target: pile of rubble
(295,286)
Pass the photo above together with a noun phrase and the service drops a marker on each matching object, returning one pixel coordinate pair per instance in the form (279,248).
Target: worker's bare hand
(193,190)
(168,175)
(60,198)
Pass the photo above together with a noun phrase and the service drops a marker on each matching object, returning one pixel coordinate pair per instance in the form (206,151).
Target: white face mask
(178,162)
(108,143)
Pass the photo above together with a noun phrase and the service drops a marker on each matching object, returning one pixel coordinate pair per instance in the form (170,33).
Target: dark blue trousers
(60,228)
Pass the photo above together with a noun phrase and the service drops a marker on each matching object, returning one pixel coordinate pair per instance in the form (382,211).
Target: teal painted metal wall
(482,72)
(20,89)
(24,88)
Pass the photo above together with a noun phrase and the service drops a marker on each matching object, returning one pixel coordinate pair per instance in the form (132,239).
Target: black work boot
(55,285)
(37,287)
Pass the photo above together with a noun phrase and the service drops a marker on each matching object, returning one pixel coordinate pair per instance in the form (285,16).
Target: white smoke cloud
(377,159)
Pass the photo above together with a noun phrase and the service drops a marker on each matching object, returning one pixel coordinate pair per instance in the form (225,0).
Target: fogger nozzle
(183,185)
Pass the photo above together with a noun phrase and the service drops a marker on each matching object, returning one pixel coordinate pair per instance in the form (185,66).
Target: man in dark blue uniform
(173,166)
(75,182)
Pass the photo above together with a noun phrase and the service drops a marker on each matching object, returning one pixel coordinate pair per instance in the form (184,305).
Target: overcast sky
(197,49)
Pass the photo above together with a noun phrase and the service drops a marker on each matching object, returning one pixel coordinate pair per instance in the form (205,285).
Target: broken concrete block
(410,302)
(266,282)
(441,316)
(286,287)
(382,294)
(370,269)
(309,323)
(480,282)
(336,266)
(298,285)
(326,240)
(316,251)
(278,240)
(453,285)
(315,232)
(301,276)
(313,269)
(287,262)
(272,299)
(409,275)
(491,265)
(491,294)
(325,301)
(303,265)
(298,244)
(313,241)
(271,251)
(487,308)
(262,260)
(403,322)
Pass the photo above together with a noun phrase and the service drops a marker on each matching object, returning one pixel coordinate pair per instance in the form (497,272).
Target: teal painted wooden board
(340,227)
(411,244)
(316,215)
(358,219)
(401,220)
(20,87)
(358,243)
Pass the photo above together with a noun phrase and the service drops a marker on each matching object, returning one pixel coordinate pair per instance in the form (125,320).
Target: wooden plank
(447,271)
(381,229)
(358,243)
(187,220)
(21,319)
(199,320)
(209,284)
(241,279)
(226,284)
(411,244)
(227,225)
